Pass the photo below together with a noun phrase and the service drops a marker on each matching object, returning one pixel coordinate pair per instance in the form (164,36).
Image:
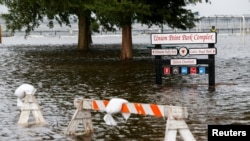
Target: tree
(122,13)
(29,14)
(110,13)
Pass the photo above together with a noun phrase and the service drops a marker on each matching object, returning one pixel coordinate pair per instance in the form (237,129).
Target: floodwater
(62,74)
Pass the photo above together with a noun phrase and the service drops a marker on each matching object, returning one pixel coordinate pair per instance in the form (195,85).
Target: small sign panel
(202,70)
(183,61)
(202,51)
(166,70)
(176,70)
(184,38)
(184,70)
(193,70)
(164,51)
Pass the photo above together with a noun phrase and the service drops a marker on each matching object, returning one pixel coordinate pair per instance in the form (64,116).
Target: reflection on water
(61,74)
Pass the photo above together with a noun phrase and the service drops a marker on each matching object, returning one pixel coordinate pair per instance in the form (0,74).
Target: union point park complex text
(176,38)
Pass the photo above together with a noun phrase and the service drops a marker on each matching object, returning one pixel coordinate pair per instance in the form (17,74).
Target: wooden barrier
(175,115)
(81,116)
(30,105)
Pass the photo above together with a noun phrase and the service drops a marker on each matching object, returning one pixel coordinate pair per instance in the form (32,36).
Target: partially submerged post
(158,68)
(30,105)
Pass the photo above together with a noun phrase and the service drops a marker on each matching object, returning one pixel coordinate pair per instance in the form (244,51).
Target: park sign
(184,38)
(184,65)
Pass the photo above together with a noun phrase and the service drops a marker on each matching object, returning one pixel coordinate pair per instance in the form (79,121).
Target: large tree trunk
(83,35)
(126,51)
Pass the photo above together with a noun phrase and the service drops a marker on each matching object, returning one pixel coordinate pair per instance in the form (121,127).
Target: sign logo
(193,70)
(184,70)
(175,70)
(202,70)
(166,70)
(183,51)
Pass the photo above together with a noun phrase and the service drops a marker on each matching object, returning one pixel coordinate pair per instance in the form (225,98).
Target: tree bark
(126,51)
(83,34)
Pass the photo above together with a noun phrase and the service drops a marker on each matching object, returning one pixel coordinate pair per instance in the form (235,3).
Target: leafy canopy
(109,13)
(124,12)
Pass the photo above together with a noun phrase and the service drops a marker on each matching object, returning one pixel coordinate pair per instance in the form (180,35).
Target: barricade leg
(24,117)
(30,106)
(170,135)
(186,134)
(173,126)
(37,114)
(80,117)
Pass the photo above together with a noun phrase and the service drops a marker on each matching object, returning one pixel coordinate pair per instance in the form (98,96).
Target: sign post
(158,68)
(211,68)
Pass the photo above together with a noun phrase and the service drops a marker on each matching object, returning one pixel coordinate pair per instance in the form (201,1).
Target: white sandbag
(109,120)
(126,116)
(21,91)
(19,103)
(114,106)
(24,89)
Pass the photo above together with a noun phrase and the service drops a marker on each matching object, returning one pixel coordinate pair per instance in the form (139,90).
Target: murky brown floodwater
(61,74)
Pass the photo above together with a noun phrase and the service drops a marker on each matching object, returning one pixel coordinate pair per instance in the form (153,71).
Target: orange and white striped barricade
(175,115)
(30,105)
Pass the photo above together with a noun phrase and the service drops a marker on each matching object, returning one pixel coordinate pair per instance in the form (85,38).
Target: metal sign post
(211,68)
(158,68)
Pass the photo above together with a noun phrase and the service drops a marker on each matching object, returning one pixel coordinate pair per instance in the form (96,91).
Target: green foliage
(111,14)
(117,13)
(29,14)
(23,13)
(170,12)
(95,26)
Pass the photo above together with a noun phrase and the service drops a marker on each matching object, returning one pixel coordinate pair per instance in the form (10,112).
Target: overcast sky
(222,7)
(3,9)
(217,7)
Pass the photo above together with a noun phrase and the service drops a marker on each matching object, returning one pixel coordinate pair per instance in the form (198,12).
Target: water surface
(62,74)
